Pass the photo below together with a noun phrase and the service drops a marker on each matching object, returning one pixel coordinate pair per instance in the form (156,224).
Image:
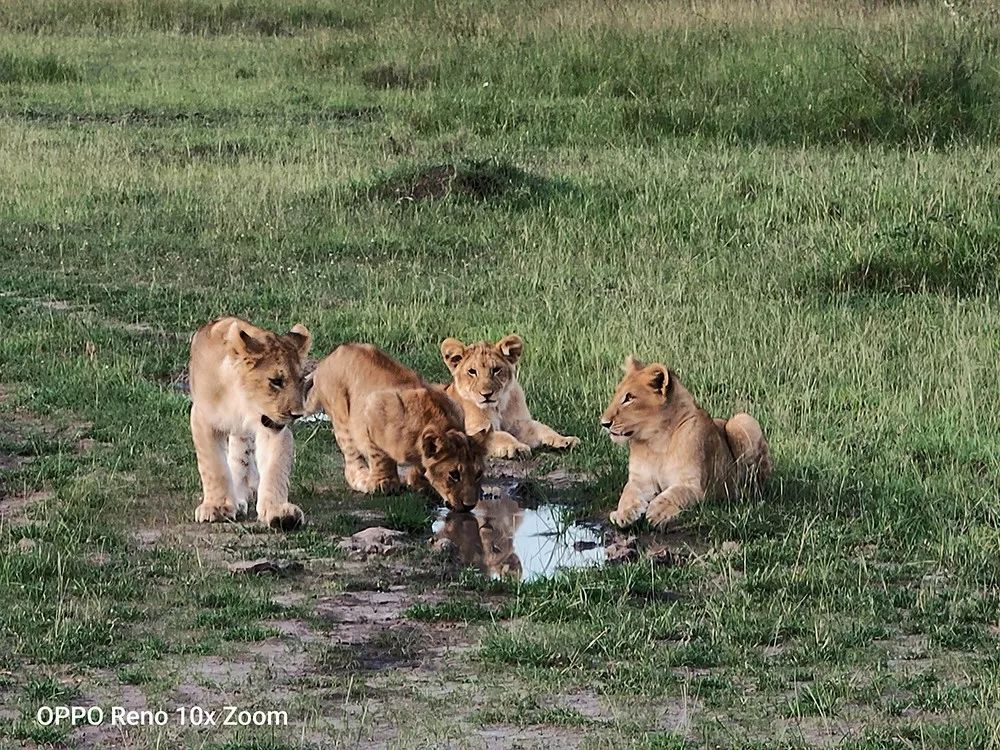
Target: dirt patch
(351,612)
(497,736)
(369,630)
(513,474)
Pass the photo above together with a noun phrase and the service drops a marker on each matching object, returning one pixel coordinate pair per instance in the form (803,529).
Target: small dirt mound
(479,180)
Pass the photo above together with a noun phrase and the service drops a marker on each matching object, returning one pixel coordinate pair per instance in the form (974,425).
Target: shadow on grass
(936,255)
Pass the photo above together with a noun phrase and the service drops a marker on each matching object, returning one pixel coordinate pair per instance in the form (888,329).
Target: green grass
(792,204)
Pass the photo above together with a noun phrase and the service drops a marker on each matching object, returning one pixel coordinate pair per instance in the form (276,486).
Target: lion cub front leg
(669,503)
(502,444)
(535,433)
(275,452)
(632,504)
(243,469)
(217,502)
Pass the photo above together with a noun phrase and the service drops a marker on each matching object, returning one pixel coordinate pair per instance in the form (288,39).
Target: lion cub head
(453,465)
(270,368)
(483,372)
(636,409)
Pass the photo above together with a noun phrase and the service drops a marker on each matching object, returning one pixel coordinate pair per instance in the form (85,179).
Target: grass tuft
(36,69)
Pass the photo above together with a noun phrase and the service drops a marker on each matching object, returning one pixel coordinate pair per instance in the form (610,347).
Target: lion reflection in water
(484,538)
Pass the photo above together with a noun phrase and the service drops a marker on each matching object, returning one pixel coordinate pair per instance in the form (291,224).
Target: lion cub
(246,389)
(485,384)
(384,414)
(678,455)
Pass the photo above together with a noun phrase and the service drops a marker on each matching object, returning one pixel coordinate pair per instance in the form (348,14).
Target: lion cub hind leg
(355,468)
(217,502)
(535,433)
(243,468)
(668,504)
(751,451)
(383,473)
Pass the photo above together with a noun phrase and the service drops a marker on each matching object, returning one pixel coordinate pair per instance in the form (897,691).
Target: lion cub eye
(472,372)
(495,371)
(278,383)
(628,397)
(454,476)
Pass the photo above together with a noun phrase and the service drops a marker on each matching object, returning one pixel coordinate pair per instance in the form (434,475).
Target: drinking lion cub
(678,454)
(384,414)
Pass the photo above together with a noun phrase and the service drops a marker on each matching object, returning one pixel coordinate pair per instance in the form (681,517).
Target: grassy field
(794,204)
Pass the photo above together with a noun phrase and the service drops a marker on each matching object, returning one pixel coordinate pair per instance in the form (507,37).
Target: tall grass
(198,17)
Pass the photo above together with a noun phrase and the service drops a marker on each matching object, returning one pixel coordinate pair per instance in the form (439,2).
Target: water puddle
(504,540)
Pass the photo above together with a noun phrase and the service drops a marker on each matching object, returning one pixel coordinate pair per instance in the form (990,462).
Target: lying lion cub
(485,384)
(384,414)
(677,453)
(246,389)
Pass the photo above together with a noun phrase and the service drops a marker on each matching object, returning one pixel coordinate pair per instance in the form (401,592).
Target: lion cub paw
(209,513)
(285,517)
(511,450)
(564,441)
(624,517)
(661,512)
(414,478)
(379,485)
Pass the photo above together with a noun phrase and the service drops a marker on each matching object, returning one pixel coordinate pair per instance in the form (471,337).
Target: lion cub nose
(606,423)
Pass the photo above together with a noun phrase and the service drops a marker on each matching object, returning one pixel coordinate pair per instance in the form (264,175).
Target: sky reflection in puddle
(502,539)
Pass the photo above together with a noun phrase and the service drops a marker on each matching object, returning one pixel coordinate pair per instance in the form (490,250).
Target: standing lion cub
(678,455)
(485,384)
(246,389)
(384,414)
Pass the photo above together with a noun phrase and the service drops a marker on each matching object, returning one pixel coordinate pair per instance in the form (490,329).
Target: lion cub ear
(452,350)
(659,379)
(301,337)
(632,364)
(511,347)
(242,343)
(431,443)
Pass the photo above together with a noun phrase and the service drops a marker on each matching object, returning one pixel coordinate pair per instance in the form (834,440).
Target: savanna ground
(795,204)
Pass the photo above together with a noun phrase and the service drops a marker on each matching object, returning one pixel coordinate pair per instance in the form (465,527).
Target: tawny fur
(384,415)
(246,390)
(484,382)
(678,455)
